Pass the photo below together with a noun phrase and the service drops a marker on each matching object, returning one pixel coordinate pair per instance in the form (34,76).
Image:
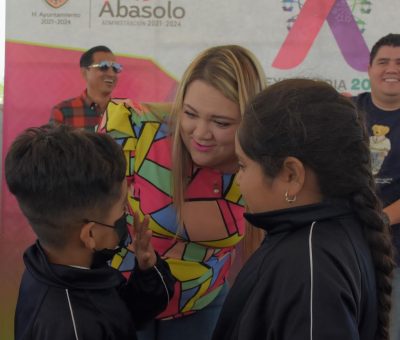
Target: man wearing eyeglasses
(100,71)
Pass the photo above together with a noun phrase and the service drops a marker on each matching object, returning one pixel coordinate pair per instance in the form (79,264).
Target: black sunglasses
(105,65)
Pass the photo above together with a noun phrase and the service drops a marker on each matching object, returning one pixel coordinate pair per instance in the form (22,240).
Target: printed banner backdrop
(155,40)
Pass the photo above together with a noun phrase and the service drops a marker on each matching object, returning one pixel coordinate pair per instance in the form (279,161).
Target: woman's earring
(290,199)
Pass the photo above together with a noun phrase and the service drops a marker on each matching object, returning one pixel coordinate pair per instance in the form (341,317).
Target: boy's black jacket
(63,302)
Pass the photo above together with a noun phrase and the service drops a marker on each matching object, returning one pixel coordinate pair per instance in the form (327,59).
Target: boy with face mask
(70,184)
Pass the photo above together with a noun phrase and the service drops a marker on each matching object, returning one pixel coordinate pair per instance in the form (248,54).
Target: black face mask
(101,257)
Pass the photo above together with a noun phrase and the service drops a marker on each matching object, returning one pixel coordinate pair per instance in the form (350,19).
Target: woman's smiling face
(208,125)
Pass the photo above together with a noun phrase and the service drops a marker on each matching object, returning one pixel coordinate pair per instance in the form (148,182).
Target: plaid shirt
(79,112)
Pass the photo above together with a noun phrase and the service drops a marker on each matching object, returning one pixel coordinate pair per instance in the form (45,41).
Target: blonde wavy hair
(237,74)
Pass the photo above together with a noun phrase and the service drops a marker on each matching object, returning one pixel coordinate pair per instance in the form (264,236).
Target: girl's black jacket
(59,302)
(312,278)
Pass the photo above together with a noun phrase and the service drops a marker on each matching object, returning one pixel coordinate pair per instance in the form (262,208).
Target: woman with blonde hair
(181,173)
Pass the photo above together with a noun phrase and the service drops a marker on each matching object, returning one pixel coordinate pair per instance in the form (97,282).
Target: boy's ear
(86,236)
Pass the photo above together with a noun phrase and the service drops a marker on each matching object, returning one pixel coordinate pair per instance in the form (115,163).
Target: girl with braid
(324,269)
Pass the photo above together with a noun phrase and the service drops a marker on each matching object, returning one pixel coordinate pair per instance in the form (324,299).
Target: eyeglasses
(105,65)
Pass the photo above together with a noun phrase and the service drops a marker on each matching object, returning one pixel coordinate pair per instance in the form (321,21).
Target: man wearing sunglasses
(100,71)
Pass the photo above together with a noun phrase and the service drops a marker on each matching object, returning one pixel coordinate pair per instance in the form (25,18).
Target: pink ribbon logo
(307,26)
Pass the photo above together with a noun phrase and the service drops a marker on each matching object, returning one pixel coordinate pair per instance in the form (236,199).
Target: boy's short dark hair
(390,39)
(87,57)
(61,175)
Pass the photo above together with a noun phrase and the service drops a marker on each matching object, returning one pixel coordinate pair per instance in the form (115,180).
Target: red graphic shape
(303,33)
(56,3)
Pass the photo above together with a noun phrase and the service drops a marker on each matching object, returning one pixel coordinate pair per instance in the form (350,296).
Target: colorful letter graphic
(307,26)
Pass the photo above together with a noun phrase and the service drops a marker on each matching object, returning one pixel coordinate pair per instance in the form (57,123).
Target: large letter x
(309,22)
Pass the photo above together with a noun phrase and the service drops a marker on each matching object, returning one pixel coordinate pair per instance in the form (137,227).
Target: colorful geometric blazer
(199,253)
